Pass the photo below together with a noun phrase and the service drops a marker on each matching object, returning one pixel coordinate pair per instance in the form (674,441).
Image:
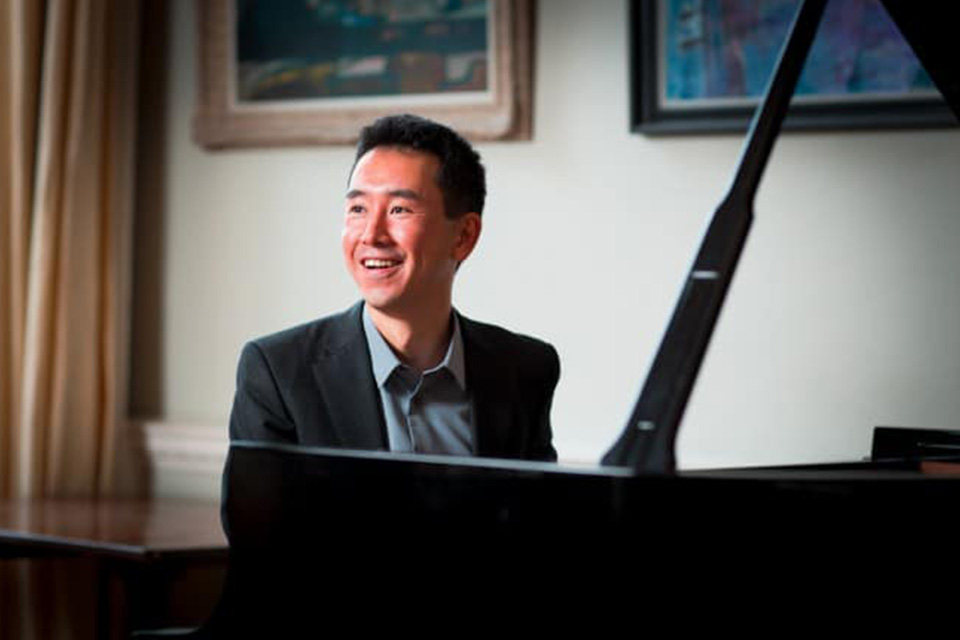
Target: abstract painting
(305,50)
(705,64)
(277,72)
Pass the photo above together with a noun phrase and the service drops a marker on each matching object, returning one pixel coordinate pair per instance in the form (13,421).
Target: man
(402,370)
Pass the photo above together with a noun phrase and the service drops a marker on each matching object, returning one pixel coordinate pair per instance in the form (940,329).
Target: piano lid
(931,30)
(647,443)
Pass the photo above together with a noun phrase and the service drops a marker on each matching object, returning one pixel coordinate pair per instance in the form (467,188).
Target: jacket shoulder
(504,341)
(311,338)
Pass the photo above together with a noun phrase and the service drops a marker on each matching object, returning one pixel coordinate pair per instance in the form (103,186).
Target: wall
(843,315)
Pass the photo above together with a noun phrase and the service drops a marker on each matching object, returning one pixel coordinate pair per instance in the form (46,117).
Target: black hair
(461,176)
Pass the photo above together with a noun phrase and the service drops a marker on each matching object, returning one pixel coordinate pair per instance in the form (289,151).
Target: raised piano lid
(647,443)
(931,30)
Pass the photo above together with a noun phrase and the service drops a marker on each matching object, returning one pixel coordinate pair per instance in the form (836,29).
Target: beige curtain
(68,90)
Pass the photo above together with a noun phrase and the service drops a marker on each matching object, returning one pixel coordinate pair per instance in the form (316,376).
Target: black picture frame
(648,116)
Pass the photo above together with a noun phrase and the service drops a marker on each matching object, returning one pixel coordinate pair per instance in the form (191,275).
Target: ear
(469,226)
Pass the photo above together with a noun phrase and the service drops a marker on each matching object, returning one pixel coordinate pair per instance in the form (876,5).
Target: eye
(355,209)
(399,209)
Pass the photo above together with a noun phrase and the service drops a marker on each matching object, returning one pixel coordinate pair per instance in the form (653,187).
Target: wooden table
(158,563)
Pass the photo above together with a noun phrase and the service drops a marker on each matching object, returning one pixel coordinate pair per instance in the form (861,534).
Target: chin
(381,302)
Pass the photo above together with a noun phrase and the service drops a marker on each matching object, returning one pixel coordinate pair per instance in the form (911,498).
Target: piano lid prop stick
(648,442)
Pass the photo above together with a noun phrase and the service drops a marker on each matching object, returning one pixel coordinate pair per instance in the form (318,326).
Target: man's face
(400,248)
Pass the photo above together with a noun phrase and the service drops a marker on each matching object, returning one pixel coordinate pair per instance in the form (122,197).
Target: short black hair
(461,177)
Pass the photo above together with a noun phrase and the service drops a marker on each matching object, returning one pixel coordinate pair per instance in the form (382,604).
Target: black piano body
(325,535)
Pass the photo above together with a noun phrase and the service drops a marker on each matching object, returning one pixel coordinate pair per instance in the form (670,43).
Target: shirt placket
(413,383)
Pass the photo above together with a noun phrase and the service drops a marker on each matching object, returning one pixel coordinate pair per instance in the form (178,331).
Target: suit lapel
(491,390)
(344,377)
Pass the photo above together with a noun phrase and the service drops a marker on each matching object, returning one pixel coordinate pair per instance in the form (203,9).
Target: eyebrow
(408,194)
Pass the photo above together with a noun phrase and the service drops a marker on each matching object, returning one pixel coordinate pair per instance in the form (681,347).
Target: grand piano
(320,535)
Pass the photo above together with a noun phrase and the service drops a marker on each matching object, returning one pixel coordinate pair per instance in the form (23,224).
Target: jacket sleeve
(259,412)
(541,443)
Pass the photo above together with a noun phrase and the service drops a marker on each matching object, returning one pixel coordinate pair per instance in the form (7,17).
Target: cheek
(351,232)
(405,237)
(427,237)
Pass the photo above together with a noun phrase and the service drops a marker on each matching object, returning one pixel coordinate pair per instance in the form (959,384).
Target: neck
(419,339)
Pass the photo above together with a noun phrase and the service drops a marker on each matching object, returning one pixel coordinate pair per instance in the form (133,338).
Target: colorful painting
(703,65)
(310,49)
(725,50)
(306,72)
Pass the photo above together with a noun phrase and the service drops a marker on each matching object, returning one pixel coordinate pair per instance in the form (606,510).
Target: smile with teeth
(376,263)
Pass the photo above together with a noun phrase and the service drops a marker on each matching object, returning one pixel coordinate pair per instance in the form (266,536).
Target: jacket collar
(491,388)
(343,373)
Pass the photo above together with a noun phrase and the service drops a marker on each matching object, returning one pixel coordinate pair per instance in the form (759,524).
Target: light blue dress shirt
(430,412)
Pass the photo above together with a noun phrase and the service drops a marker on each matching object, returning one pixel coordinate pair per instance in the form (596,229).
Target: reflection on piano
(371,538)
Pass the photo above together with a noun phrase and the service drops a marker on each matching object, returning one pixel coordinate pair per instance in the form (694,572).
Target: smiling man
(402,370)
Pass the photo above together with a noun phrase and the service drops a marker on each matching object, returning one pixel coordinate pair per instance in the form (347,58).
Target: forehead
(395,167)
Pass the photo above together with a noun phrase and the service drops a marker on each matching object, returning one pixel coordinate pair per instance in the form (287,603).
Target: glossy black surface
(321,534)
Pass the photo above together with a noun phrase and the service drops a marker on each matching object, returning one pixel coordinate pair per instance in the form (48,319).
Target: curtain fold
(68,128)
(21,29)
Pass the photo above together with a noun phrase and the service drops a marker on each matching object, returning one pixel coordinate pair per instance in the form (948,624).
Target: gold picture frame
(221,120)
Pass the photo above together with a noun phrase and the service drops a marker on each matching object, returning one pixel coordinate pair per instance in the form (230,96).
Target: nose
(375,230)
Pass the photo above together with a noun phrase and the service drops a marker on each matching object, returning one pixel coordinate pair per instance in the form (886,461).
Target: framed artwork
(702,66)
(303,72)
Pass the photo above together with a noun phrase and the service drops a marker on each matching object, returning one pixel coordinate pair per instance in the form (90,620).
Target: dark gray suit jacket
(313,385)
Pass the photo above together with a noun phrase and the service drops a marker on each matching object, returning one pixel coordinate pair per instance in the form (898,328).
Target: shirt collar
(384,360)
